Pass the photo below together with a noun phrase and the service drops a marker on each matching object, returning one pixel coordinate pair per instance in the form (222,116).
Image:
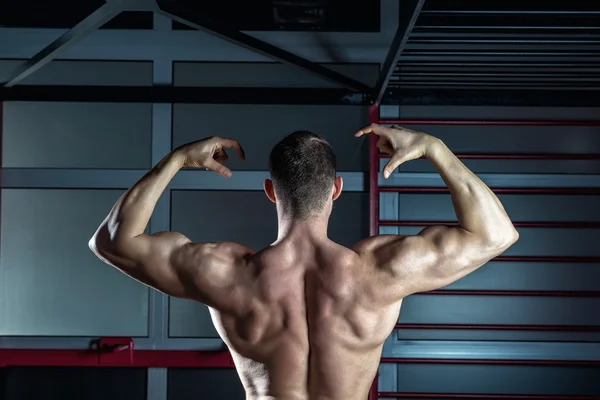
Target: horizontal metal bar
(507,27)
(70,343)
(184,95)
(443,396)
(489,327)
(517,156)
(516,41)
(516,293)
(55,178)
(532,52)
(510,12)
(500,96)
(189,16)
(489,85)
(532,65)
(213,359)
(528,181)
(92,22)
(424,190)
(518,224)
(90,358)
(561,76)
(398,360)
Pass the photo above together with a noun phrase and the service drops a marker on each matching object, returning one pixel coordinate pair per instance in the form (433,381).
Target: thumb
(217,167)
(394,162)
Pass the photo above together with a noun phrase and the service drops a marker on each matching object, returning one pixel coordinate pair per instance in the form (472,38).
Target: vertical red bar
(374,207)
(373,176)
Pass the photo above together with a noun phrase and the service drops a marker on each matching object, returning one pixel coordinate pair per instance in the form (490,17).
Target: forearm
(477,208)
(131,214)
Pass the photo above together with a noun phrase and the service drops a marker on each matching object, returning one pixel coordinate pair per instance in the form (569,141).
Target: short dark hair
(302,167)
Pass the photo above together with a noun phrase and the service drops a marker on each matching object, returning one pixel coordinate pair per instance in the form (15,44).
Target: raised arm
(439,255)
(168,261)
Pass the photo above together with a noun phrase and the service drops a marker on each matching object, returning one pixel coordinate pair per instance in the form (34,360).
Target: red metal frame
(487,327)
(424,190)
(375,119)
(375,190)
(391,395)
(518,156)
(531,224)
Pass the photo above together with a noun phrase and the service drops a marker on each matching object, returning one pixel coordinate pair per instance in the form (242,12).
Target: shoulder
(383,250)
(217,254)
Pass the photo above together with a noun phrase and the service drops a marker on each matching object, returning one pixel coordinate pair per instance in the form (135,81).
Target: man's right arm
(440,255)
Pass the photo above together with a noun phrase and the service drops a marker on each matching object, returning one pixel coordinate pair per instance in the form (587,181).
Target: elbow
(504,239)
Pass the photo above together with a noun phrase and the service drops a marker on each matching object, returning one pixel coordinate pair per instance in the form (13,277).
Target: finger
(217,167)
(373,128)
(233,144)
(394,163)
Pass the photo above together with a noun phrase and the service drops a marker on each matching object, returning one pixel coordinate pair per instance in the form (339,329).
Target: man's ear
(338,185)
(270,190)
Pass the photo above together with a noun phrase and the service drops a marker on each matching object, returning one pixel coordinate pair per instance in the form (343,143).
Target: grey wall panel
(454,309)
(260,127)
(546,242)
(498,379)
(109,73)
(248,218)
(52,284)
(193,384)
(76,135)
(264,74)
(438,207)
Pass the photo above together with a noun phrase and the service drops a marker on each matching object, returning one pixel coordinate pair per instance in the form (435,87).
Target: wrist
(178,157)
(434,146)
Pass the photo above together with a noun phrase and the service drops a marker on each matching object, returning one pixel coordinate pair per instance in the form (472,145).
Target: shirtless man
(306,318)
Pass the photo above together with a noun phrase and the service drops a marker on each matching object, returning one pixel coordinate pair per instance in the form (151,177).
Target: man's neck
(312,229)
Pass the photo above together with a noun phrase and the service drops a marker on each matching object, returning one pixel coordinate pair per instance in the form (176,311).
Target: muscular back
(314,326)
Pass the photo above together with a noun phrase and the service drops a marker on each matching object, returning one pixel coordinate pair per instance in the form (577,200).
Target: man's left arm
(168,261)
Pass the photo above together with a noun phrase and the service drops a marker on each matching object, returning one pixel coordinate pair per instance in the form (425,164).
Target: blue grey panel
(501,379)
(53,284)
(264,74)
(248,218)
(438,207)
(546,242)
(76,135)
(116,73)
(455,309)
(260,127)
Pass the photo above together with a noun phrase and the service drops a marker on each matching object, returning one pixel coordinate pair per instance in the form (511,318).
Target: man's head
(304,183)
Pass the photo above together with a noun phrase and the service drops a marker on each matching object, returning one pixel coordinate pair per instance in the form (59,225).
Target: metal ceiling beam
(185,95)
(409,12)
(198,21)
(94,21)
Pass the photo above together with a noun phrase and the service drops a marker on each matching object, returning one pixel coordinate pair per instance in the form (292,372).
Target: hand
(210,154)
(401,143)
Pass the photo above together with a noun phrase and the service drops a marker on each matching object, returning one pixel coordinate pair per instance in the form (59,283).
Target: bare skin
(306,318)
